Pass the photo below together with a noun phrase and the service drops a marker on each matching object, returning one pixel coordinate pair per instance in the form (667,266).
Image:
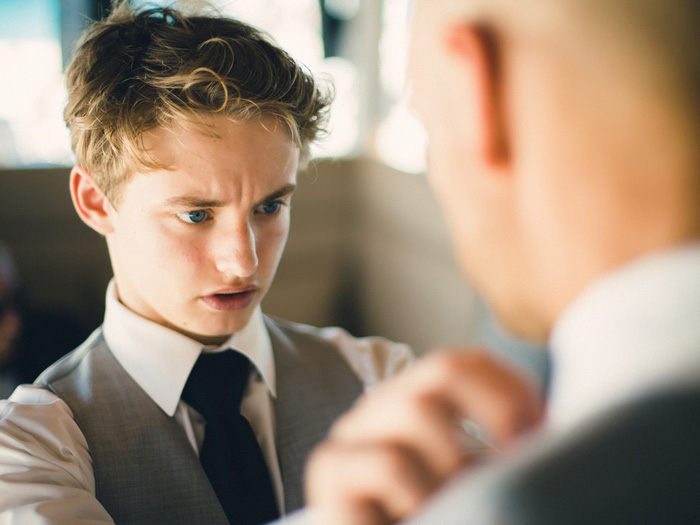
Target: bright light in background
(32,94)
(399,138)
(32,91)
(296,27)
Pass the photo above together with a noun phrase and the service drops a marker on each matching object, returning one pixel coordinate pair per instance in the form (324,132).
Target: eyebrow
(285,190)
(195,202)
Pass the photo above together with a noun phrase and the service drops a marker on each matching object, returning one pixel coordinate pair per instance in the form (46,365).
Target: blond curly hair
(144,68)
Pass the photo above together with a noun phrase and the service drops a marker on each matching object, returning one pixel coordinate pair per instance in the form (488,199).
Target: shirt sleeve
(373,359)
(46,474)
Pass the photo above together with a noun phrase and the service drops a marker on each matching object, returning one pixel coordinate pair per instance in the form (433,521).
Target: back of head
(592,109)
(144,68)
(655,38)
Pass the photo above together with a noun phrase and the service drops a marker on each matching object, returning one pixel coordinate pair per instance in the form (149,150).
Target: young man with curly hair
(188,132)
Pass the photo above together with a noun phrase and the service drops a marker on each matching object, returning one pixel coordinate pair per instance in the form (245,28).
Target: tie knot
(216,384)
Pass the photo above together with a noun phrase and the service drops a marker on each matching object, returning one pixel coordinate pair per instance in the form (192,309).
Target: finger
(421,422)
(483,388)
(366,484)
(423,403)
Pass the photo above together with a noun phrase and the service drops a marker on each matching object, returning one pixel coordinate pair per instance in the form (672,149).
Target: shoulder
(71,361)
(373,359)
(39,414)
(46,473)
(32,409)
(37,408)
(39,434)
(640,464)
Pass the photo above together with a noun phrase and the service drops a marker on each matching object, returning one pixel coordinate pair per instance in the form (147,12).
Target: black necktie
(230,455)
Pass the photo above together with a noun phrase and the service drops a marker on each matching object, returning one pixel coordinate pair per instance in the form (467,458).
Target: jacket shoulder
(640,464)
(71,361)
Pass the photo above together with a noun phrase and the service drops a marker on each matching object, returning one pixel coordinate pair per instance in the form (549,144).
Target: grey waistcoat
(145,468)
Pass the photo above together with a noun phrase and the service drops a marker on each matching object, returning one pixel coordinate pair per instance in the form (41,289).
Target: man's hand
(403,439)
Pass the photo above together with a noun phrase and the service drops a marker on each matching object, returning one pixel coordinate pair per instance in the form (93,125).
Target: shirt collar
(631,332)
(160,359)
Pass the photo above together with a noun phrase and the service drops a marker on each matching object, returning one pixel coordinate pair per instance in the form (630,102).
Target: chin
(209,333)
(229,326)
(212,337)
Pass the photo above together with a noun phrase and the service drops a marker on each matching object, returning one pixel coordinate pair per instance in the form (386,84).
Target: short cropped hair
(144,68)
(657,40)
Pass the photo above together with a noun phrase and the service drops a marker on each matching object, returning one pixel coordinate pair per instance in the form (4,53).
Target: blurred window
(399,140)
(312,32)
(359,45)
(32,94)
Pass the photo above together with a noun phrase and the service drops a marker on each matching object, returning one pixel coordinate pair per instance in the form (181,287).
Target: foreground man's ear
(476,49)
(90,202)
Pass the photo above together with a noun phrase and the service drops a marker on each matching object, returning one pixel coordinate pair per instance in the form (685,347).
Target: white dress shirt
(632,332)
(45,468)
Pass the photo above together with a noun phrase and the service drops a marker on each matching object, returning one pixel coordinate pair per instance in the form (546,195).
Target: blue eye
(271,207)
(193,217)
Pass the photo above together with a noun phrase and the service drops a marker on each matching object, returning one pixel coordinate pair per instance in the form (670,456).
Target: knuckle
(450,359)
(397,462)
(424,409)
(409,477)
(443,364)
(479,360)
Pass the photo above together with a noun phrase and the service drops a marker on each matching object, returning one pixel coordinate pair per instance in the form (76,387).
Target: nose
(235,250)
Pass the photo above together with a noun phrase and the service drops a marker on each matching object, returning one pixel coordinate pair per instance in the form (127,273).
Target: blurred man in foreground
(564,152)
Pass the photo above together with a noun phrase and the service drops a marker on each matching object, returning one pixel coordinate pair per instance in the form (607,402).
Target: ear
(475,48)
(90,202)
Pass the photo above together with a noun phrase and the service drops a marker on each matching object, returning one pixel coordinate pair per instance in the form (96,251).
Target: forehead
(219,143)
(183,140)
(217,156)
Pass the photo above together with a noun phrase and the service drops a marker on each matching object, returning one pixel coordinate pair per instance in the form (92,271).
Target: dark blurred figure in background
(10,323)
(30,338)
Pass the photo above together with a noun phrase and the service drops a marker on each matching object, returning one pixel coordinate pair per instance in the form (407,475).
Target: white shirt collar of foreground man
(631,332)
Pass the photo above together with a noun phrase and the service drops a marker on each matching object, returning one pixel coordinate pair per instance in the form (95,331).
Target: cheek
(174,254)
(271,240)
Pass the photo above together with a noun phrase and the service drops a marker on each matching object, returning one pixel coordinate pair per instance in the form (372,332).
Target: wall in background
(63,263)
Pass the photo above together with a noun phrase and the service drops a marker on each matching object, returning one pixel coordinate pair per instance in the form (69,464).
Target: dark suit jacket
(640,464)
